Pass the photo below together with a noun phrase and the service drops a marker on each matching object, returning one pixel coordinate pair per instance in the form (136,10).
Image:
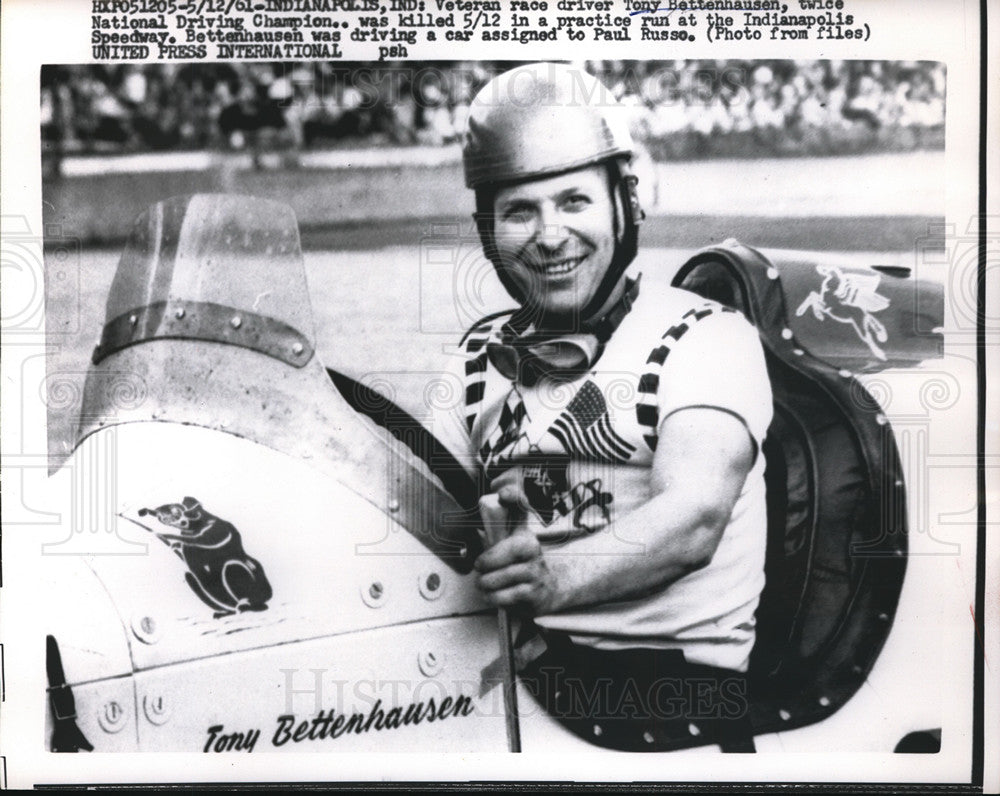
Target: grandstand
(679,109)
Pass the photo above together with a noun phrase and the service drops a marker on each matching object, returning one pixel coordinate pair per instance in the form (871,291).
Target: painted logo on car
(850,298)
(219,572)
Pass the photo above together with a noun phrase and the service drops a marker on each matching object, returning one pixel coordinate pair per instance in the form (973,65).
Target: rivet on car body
(373,594)
(431,586)
(145,629)
(785,715)
(430,663)
(156,708)
(112,717)
(694,729)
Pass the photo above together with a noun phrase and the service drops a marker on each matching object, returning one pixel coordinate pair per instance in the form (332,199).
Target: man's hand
(699,469)
(512,571)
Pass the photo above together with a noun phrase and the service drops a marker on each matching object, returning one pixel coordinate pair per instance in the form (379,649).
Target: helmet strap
(628,216)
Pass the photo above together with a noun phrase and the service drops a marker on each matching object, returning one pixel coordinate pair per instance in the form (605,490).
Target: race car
(287,553)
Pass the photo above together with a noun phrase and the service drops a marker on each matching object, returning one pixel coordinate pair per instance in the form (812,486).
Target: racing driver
(619,425)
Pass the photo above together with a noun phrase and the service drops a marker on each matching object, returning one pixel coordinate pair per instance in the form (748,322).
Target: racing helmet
(544,119)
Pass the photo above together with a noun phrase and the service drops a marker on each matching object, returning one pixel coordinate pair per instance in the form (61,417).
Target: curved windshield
(231,252)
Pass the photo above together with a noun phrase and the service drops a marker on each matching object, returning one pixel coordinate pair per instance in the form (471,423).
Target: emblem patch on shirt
(584,428)
(549,494)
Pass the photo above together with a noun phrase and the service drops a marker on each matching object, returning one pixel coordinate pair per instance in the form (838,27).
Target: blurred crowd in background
(678,109)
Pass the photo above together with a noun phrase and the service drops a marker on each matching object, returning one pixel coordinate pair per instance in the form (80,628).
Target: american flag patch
(584,428)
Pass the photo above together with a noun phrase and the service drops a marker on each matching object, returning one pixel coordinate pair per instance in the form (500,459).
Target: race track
(387,313)
(390,298)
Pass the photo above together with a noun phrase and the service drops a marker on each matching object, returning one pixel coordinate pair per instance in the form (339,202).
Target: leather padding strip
(204,320)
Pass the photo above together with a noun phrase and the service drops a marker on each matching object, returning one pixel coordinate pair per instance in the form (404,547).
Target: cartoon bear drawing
(219,570)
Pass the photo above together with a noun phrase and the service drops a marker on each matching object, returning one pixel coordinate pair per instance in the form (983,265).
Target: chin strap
(528,351)
(628,215)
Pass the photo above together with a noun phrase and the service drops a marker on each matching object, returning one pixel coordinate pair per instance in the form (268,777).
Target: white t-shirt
(585,450)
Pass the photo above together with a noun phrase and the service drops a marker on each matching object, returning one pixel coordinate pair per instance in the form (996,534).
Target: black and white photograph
(541,413)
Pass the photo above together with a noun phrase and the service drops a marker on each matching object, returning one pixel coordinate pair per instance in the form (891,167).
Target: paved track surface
(388,313)
(391,299)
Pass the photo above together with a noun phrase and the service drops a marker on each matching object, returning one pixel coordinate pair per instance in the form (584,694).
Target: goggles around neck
(525,353)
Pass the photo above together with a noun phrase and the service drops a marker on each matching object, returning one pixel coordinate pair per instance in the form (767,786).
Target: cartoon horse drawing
(851,299)
(219,570)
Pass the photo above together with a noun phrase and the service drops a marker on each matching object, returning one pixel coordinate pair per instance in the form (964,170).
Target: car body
(285,557)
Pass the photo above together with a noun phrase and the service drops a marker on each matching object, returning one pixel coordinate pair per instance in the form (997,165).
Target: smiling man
(617,430)
(554,238)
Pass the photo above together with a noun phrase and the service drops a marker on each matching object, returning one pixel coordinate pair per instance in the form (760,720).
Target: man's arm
(701,463)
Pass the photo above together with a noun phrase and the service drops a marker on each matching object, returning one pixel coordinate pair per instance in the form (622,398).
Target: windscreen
(213,267)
